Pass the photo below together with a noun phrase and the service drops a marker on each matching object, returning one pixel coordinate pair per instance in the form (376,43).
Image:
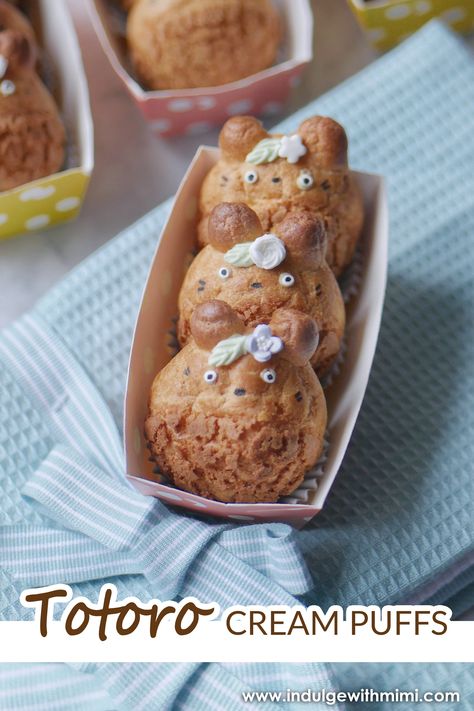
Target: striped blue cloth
(51,687)
(398,525)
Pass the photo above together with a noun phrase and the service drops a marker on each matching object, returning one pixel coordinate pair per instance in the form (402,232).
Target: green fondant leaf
(227,351)
(239,255)
(264,152)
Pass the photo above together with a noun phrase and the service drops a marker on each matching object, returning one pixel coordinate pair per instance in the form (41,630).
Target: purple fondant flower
(262,345)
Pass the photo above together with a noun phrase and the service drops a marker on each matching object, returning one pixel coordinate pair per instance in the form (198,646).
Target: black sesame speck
(202,282)
(201,288)
(186,371)
(276,180)
(319,289)
(239,392)
(325,185)
(298,396)
(256,285)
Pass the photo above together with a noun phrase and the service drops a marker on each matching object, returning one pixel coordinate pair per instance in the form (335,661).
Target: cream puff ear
(17,50)
(299,333)
(239,136)
(13,19)
(305,239)
(231,223)
(214,321)
(325,140)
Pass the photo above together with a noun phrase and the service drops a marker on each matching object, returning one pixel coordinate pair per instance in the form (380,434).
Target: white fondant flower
(3,66)
(262,345)
(292,148)
(267,251)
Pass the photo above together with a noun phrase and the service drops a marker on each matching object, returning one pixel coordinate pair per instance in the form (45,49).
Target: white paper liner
(117,17)
(328,379)
(350,282)
(311,479)
(72,158)
(48,75)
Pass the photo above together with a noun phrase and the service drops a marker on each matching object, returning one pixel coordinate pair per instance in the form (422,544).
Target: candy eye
(251,176)
(210,376)
(305,180)
(225,272)
(268,375)
(7,87)
(286,279)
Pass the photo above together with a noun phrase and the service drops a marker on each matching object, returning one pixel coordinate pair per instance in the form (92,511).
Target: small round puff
(32,135)
(227,433)
(256,293)
(279,188)
(181,44)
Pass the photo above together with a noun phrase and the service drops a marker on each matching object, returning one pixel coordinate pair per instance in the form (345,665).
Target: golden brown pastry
(257,274)
(279,175)
(181,44)
(239,415)
(31,132)
(126,4)
(13,19)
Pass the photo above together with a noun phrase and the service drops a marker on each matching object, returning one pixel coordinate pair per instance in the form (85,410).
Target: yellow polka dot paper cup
(42,203)
(56,198)
(388,22)
(194,111)
(154,344)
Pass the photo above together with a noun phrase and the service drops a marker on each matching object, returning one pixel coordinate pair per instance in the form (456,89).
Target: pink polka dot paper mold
(193,111)
(344,396)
